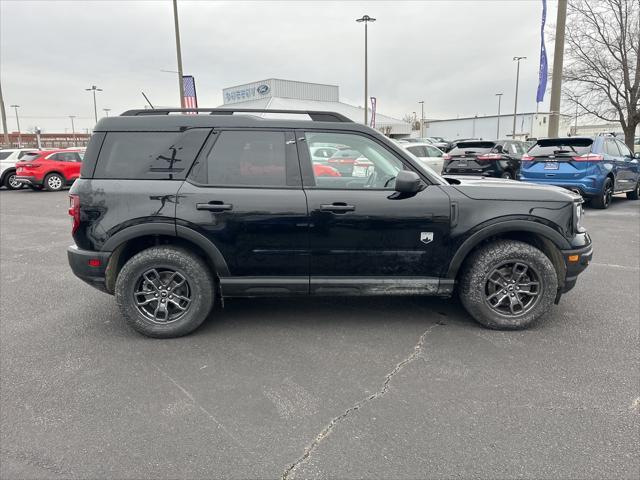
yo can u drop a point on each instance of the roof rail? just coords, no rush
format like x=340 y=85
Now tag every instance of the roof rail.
x=316 y=116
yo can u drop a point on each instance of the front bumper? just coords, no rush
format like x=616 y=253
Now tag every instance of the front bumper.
x=93 y=273
x=576 y=261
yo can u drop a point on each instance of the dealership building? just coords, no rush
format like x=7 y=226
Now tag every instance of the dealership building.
x=277 y=94
x=528 y=125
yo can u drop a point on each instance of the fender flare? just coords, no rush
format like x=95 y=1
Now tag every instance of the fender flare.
x=170 y=230
x=503 y=227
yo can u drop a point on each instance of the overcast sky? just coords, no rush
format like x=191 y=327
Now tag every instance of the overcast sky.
x=454 y=55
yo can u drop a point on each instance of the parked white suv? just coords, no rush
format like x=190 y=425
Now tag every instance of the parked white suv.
x=8 y=159
x=427 y=153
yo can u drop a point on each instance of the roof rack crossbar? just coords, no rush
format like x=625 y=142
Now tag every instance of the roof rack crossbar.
x=316 y=116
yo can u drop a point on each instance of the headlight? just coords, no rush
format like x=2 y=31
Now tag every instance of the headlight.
x=577 y=217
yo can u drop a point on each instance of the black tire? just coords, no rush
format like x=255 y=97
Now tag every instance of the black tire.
x=603 y=200
x=635 y=194
x=54 y=182
x=10 y=181
x=478 y=285
x=508 y=175
x=131 y=285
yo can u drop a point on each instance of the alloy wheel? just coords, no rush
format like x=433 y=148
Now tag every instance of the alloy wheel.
x=54 y=182
x=13 y=183
x=608 y=193
x=512 y=288
x=162 y=295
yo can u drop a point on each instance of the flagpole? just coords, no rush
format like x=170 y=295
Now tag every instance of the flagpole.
x=178 y=52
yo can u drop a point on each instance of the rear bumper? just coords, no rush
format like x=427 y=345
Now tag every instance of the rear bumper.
x=576 y=261
x=93 y=275
x=29 y=180
x=586 y=187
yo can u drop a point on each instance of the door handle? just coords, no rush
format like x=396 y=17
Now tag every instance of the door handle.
x=214 y=206
x=337 y=208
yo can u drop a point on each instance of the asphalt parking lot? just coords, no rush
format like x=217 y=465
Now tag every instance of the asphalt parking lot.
x=322 y=388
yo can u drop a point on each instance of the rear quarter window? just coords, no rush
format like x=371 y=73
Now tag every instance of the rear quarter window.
x=149 y=155
x=4 y=155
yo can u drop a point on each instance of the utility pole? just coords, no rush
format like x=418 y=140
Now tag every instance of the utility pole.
x=178 y=52
x=15 y=107
x=421 y=102
x=499 y=95
x=515 y=104
x=4 y=119
x=73 y=131
x=95 y=109
x=556 y=79
x=366 y=19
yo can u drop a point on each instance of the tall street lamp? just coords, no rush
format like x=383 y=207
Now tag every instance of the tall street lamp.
x=15 y=107
x=366 y=19
x=499 y=95
x=178 y=52
x=106 y=111
x=73 y=131
x=421 y=102
x=515 y=104
x=95 y=109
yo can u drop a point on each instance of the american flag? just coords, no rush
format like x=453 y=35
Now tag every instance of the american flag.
x=190 y=98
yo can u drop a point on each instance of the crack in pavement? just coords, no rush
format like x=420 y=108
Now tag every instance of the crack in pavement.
x=326 y=431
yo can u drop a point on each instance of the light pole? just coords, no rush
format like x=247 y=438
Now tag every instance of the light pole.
x=366 y=19
x=556 y=78
x=515 y=103
x=4 y=119
x=421 y=102
x=73 y=131
x=178 y=52
x=499 y=95
x=95 y=109
x=15 y=107
x=106 y=111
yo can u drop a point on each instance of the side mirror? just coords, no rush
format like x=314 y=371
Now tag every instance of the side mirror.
x=637 y=155
x=407 y=182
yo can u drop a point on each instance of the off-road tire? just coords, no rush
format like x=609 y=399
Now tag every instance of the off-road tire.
x=197 y=274
x=479 y=266
x=53 y=182
x=603 y=200
x=635 y=194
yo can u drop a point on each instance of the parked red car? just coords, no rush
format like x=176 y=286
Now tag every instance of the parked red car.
x=49 y=169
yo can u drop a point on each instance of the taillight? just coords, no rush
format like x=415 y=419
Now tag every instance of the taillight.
x=74 y=212
x=589 y=157
x=489 y=156
x=527 y=158
x=30 y=165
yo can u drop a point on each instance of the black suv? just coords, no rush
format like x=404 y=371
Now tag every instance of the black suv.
x=499 y=158
x=173 y=212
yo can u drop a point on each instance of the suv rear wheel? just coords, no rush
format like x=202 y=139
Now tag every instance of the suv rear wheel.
x=508 y=285
x=165 y=292
x=604 y=199
x=53 y=182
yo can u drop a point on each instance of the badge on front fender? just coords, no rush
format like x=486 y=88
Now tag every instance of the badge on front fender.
x=426 y=237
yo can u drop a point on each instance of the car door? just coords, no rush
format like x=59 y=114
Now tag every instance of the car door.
x=629 y=174
x=435 y=158
x=365 y=237
x=244 y=194
x=614 y=158
x=73 y=163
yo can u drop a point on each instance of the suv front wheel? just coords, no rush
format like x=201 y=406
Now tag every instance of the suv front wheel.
x=165 y=292
x=508 y=285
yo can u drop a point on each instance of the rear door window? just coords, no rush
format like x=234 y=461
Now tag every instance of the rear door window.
x=248 y=158
x=560 y=147
x=418 y=151
x=149 y=155
x=611 y=148
x=433 y=152
x=624 y=150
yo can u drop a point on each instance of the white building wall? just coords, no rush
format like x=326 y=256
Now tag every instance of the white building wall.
x=274 y=87
x=527 y=125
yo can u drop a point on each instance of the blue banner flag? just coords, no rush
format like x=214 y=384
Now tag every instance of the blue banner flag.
x=542 y=80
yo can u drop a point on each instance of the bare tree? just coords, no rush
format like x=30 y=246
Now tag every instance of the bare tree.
x=409 y=118
x=602 y=65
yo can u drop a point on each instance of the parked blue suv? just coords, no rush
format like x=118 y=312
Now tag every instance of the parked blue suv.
x=594 y=167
